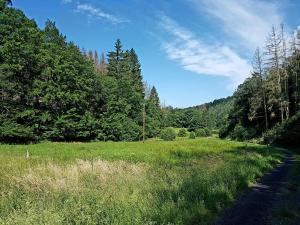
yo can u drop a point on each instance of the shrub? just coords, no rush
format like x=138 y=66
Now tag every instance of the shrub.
x=192 y=135
x=200 y=132
x=203 y=132
x=182 y=132
x=12 y=132
x=241 y=133
x=285 y=134
x=207 y=132
x=168 y=134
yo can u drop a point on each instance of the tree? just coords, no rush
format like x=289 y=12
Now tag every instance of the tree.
x=284 y=55
x=270 y=90
x=258 y=74
x=125 y=100
x=65 y=90
x=153 y=114
x=4 y=4
x=273 y=51
x=135 y=68
x=20 y=42
x=114 y=60
x=50 y=89
x=102 y=65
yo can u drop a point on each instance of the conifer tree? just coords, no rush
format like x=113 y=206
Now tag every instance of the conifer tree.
x=273 y=48
x=96 y=60
x=153 y=114
x=115 y=59
x=260 y=95
x=102 y=65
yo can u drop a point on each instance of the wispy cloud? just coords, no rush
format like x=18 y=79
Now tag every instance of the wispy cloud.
x=67 y=1
x=196 y=55
x=96 y=13
x=248 y=20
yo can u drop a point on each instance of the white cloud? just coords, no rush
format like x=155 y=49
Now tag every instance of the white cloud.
x=97 y=13
x=67 y=1
x=248 y=20
x=197 y=56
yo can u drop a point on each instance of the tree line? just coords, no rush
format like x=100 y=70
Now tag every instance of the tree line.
x=270 y=96
x=212 y=115
x=50 y=89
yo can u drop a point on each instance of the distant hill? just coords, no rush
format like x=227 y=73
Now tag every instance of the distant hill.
x=213 y=115
x=214 y=103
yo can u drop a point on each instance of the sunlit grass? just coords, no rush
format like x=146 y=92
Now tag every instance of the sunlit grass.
x=156 y=182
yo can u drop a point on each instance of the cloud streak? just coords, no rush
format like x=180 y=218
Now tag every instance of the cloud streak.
x=96 y=13
x=197 y=56
x=248 y=20
x=67 y=1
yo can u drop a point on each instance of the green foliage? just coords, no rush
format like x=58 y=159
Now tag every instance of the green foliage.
x=182 y=132
x=241 y=133
x=270 y=96
x=12 y=132
x=285 y=134
x=192 y=135
x=211 y=115
x=51 y=90
x=168 y=134
x=153 y=114
x=203 y=132
x=208 y=132
x=200 y=132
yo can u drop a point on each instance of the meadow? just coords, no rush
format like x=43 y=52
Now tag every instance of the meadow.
x=156 y=182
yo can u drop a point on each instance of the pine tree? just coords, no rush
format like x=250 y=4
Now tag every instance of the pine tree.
x=136 y=74
x=102 y=65
x=273 y=45
x=258 y=74
x=284 y=56
x=153 y=114
x=90 y=56
x=96 y=60
x=20 y=42
x=4 y=4
x=115 y=59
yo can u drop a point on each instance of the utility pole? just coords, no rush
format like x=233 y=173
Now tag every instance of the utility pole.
x=144 y=121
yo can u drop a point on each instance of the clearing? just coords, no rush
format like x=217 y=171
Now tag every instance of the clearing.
x=156 y=182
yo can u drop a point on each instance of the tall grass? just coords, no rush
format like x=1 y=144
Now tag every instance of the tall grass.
x=156 y=182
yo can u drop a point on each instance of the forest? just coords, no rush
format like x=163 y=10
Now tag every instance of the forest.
x=267 y=103
x=52 y=90
x=84 y=138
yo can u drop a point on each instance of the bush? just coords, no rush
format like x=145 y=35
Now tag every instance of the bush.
x=182 y=132
x=203 y=132
x=192 y=135
x=207 y=132
x=12 y=132
x=168 y=134
x=200 y=132
x=284 y=134
x=241 y=133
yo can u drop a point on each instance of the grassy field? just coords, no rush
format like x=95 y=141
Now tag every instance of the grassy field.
x=156 y=182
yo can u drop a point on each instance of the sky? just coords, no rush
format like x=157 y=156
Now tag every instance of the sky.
x=192 y=51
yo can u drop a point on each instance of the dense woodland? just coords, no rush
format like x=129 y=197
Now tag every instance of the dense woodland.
x=267 y=103
x=53 y=90
x=211 y=115
x=50 y=89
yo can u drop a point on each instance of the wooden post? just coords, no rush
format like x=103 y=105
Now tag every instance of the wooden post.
x=144 y=121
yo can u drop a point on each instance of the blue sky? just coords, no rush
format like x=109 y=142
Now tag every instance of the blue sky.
x=193 y=51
